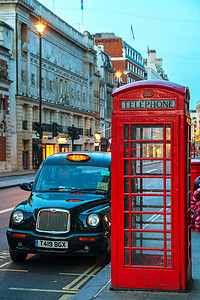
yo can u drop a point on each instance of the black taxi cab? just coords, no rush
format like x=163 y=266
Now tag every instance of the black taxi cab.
x=68 y=211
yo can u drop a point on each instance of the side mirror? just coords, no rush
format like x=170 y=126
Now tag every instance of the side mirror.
x=26 y=186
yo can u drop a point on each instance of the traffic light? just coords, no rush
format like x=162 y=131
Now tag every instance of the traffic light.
x=39 y=131
x=70 y=131
x=77 y=132
x=37 y=128
x=55 y=129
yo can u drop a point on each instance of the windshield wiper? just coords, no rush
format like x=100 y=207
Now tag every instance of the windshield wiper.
x=61 y=188
x=90 y=190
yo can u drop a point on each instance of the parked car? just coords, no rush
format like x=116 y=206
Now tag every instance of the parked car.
x=68 y=211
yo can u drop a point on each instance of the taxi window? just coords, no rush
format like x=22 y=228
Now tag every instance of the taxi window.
x=73 y=177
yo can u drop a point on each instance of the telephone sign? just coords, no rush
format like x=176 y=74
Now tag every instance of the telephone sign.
x=137 y=104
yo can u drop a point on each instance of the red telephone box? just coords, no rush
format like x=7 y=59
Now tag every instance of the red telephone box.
x=151 y=236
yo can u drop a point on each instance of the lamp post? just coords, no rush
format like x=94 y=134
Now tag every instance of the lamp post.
x=40 y=28
x=118 y=74
x=194 y=136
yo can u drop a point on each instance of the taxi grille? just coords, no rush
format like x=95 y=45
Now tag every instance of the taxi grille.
x=55 y=221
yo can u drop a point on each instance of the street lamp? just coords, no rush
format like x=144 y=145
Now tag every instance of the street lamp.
x=194 y=135
x=40 y=28
x=118 y=74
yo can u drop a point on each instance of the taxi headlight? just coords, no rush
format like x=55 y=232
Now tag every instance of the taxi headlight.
x=93 y=220
x=17 y=216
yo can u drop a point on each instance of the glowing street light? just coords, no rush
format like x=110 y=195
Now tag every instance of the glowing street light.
x=118 y=74
x=40 y=28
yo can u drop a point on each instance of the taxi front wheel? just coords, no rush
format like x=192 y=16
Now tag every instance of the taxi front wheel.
x=18 y=257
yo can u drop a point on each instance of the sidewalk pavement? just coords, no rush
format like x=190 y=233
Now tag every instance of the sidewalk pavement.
x=11 y=179
x=99 y=287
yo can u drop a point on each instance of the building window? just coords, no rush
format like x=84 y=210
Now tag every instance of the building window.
x=45 y=116
x=61 y=86
x=66 y=86
x=79 y=119
x=102 y=92
x=91 y=70
x=33 y=79
x=51 y=117
x=23 y=75
x=51 y=86
x=23 y=33
x=61 y=120
x=78 y=147
x=66 y=120
x=127 y=65
x=42 y=83
x=1 y=104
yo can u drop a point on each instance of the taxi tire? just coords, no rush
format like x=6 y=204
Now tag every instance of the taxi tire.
x=18 y=257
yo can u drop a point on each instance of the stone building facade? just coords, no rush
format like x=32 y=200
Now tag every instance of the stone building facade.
x=70 y=92
x=7 y=124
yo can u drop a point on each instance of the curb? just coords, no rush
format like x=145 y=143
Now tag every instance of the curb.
x=12 y=185
x=16 y=174
x=8 y=183
x=9 y=186
x=95 y=285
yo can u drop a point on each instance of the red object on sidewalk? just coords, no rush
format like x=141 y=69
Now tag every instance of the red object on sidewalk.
x=195 y=171
x=195 y=211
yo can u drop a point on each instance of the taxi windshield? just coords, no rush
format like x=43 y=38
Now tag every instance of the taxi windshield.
x=92 y=179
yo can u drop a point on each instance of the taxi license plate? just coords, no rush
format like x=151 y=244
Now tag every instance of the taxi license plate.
x=51 y=244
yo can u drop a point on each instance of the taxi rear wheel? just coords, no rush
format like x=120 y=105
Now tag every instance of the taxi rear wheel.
x=18 y=257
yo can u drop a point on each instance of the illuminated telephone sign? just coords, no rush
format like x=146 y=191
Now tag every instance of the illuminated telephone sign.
x=147 y=104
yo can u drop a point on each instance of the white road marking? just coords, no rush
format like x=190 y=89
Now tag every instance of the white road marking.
x=154 y=217
x=6 y=210
x=42 y=290
x=151 y=170
x=13 y=270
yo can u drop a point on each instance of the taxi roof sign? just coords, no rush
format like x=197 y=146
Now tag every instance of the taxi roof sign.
x=78 y=157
